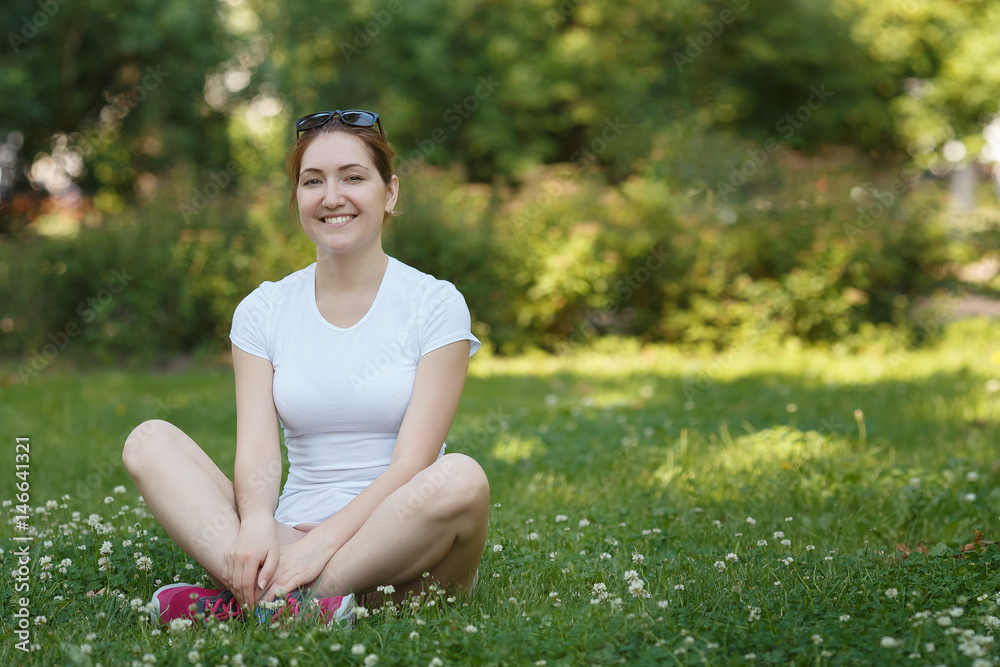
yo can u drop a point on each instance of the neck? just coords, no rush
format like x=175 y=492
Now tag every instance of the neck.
x=353 y=272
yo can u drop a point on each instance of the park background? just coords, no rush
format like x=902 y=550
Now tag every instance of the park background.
x=731 y=261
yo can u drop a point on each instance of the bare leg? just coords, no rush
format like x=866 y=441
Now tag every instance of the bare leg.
x=186 y=492
x=435 y=523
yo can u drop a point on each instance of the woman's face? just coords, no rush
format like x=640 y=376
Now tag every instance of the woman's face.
x=342 y=199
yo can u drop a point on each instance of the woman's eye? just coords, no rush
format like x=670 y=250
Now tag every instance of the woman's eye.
x=310 y=181
x=354 y=177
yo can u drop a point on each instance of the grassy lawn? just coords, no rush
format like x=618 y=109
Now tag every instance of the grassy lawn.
x=651 y=506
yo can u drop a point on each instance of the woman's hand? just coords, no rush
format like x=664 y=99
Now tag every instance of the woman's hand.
x=301 y=563
x=251 y=560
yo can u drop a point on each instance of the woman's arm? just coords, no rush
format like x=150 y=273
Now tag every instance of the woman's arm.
x=253 y=557
x=437 y=390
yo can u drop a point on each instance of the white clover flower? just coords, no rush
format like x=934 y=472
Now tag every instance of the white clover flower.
x=754 y=613
x=761 y=543
x=358 y=649
x=180 y=624
x=561 y=517
x=361 y=612
x=991 y=622
x=637 y=557
x=788 y=561
x=497 y=548
x=732 y=557
x=144 y=563
x=956 y=612
x=663 y=604
x=972 y=475
x=370 y=659
x=944 y=621
x=86 y=649
x=889 y=642
x=637 y=587
x=717 y=523
x=778 y=534
x=720 y=565
x=969 y=497
x=678 y=587
x=751 y=520
x=844 y=618
x=471 y=629
x=810 y=547
x=786 y=543
x=41 y=620
x=414 y=635
x=817 y=639
x=891 y=593
x=584 y=523
x=436 y=662
x=532 y=536
x=108 y=500
x=106 y=548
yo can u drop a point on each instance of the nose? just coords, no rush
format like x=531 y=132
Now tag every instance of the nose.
x=332 y=195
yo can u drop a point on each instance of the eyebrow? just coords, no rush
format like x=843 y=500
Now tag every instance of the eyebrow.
x=344 y=168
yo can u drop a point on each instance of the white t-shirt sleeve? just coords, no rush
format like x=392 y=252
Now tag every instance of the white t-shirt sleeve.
x=447 y=320
x=249 y=325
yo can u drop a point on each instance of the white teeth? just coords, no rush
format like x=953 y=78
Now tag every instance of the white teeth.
x=339 y=219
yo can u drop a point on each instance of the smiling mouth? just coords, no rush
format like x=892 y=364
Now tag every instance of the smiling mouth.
x=337 y=219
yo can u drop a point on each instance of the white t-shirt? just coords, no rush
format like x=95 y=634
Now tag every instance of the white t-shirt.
x=341 y=393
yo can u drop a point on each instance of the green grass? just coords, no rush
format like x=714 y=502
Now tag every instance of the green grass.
x=601 y=462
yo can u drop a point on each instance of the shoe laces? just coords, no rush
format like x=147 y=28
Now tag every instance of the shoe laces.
x=222 y=606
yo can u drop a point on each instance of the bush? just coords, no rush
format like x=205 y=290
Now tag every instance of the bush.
x=818 y=248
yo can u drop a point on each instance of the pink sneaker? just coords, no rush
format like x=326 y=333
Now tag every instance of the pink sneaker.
x=187 y=601
x=300 y=604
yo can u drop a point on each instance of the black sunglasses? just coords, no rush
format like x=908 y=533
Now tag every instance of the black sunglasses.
x=356 y=117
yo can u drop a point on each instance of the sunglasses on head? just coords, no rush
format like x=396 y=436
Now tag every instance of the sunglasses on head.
x=356 y=117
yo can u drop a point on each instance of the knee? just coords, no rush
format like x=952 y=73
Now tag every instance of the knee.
x=463 y=484
x=139 y=442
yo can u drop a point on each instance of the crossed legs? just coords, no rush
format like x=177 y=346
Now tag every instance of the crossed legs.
x=435 y=523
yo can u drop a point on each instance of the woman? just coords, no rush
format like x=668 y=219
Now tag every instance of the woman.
x=363 y=360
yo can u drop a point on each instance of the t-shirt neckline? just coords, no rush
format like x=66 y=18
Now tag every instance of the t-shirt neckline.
x=371 y=309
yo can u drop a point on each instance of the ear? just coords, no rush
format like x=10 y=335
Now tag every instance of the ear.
x=392 y=192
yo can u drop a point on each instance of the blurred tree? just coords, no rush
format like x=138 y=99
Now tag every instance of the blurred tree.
x=120 y=84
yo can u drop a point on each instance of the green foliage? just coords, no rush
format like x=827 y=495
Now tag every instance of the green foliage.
x=599 y=465
x=125 y=84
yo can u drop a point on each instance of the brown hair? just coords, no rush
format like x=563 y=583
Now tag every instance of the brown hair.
x=379 y=150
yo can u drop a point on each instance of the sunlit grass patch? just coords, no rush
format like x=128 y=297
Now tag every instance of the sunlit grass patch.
x=646 y=511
